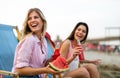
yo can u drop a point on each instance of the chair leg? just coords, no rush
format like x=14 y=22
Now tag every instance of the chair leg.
x=54 y=76
x=16 y=77
x=59 y=75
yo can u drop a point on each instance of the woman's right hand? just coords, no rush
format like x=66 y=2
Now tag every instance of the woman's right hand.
x=76 y=51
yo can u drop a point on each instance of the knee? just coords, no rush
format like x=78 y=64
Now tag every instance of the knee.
x=84 y=72
x=93 y=70
x=92 y=66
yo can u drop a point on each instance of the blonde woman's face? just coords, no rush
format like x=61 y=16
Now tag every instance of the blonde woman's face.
x=35 y=23
x=80 y=32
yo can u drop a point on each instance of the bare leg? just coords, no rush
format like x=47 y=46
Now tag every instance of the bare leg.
x=93 y=71
x=78 y=73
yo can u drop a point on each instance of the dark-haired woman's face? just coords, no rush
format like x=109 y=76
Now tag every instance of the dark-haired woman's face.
x=80 y=32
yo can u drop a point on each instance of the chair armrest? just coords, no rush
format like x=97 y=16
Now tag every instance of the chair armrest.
x=3 y=72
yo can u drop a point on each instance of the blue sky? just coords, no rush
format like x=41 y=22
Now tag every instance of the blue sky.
x=62 y=15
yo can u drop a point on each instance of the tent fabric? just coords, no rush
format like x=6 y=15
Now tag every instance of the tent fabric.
x=8 y=42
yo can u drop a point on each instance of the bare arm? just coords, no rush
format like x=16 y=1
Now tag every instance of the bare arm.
x=64 y=50
x=28 y=71
x=97 y=61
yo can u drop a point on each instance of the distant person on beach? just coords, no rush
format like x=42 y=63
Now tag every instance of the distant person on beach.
x=70 y=50
x=31 y=53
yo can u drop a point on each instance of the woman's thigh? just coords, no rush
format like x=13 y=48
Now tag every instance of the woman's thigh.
x=93 y=71
x=78 y=73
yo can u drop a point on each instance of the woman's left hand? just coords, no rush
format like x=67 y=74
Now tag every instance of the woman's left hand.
x=97 y=61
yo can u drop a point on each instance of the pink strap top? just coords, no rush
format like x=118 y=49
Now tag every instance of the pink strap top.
x=71 y=51
x=74 y=64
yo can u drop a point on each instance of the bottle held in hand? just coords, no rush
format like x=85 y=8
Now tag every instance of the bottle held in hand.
x=81 y=55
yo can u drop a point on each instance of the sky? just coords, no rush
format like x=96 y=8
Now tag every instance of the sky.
x=63 y=15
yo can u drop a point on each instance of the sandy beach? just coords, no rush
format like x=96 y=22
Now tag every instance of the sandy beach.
x=110 y=63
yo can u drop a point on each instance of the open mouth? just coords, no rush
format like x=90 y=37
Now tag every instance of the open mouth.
x=79 y=36
x=34 y=25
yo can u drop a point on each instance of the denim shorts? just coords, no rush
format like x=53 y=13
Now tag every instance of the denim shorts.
x=36 y=76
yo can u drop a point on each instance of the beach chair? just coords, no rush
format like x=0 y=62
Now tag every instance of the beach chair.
x=8 y=42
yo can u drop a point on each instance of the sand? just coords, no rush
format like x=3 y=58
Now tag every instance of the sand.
x=110 y=64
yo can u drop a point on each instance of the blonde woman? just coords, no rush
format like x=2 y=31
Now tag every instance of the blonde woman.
x=31 y=52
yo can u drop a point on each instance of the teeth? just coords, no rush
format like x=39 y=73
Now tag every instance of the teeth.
x=78 y=35
x=34 y=24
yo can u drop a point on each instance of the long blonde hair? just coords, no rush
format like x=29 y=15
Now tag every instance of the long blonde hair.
x=26 y=30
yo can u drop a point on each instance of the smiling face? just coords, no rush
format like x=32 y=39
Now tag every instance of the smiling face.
x=35 y=22
x=80 y=32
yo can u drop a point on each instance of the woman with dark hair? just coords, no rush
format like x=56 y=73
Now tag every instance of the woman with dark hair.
x=70 y=50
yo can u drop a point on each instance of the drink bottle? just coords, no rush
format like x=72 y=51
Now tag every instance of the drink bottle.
x=81 y=55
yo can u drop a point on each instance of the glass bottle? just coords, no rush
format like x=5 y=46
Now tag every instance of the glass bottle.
x=81 y=55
